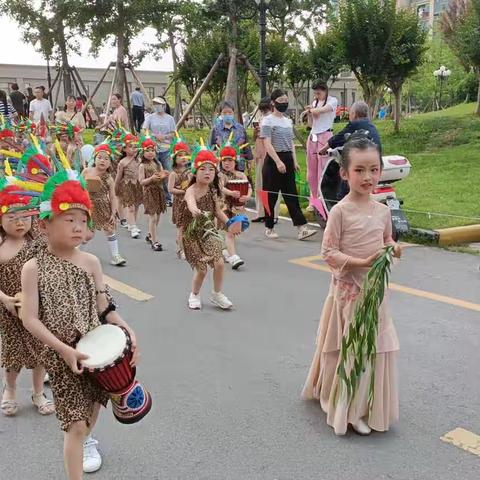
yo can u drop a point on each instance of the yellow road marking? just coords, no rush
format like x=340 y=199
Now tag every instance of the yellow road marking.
x=127 y=290
x=463 y=439
x=309 y=262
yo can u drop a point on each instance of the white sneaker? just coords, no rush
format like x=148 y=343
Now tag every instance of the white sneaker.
x=134 y=232
x=235 y=261
x=46 y=379
x=92 y=461
x=270 y=233
x=305 y=232
x=117 y=261
x=194 y=302
x=220 y=300
x=361 y=427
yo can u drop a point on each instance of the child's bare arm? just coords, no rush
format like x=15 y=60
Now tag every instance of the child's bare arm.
x=192 y=202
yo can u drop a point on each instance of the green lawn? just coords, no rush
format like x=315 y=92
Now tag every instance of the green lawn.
x=444 y=150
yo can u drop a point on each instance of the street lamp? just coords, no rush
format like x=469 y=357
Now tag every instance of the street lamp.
x=441 y=75
x=263 y=5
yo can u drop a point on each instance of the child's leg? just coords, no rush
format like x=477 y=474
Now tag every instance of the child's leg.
x=131 y=218
x=135 y=213
x=112 y=241
x=38 y=377
x=197 y=281
x=152 y=227
x=10 y=384
x=218 y=269
x=94 y=417
x=230 y=243
x=179 y=239
x=73 y=450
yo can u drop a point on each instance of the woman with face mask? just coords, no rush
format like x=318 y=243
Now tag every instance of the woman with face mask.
x=224 y=126
x=280 y=166
x=161 y=126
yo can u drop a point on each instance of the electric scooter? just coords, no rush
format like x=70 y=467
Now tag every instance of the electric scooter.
x=333 y=189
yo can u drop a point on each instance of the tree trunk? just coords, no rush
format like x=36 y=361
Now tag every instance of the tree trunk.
x=178 y=91
x=62 y=45
x=231 y=91
x=398 y=107
x=120 y=64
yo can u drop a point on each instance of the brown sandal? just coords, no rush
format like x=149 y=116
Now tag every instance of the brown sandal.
x=43 y=404
x=9 y=408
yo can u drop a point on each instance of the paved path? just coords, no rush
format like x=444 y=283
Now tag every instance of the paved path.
x=226 y=384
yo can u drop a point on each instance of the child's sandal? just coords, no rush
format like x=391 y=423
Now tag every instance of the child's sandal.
x=9 y=408
x=43 y=404
x=157 y=247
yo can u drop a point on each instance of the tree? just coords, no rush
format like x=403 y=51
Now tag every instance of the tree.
x=404 y=56
x=365 y=30
x=48 y=26
x=325 y=56
x=460 y=25
x=121 y=22
x=298 y=71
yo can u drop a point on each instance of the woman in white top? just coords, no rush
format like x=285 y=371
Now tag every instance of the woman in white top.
x=70 y=114
x=321 y=115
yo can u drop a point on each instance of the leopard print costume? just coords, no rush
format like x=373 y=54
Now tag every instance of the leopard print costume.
x=153 y=195
x=19 y=347
x=201 y=252
x=102 y=208
x=130 y=191
x=181 y=182
x=68 y=308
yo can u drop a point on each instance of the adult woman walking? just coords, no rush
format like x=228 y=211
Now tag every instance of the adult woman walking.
x=119 y=114
x=72 y=115
x=321 y=115
x=280 y=166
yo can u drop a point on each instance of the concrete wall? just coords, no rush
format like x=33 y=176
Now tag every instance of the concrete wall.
x=155 y=82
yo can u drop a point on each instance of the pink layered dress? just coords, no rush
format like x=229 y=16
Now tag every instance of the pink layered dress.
x=352 y=232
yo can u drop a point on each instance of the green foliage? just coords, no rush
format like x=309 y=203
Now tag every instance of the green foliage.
x=359 y=347
x=325 y=55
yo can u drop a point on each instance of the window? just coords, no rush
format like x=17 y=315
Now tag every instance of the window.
x=150 y=91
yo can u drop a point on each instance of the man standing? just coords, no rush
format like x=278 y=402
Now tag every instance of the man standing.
x=18 y=100
x=40 y=107
x=138 y=109
x=162 y=126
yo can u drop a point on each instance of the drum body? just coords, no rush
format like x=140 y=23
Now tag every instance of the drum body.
x=238 y=186
x=109 y=350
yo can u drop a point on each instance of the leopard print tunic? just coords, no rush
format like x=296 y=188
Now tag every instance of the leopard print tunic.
x=153 y=195
x=102 y=208
x=130 y=191
x=181 y=182
x=19 y=348
x=201 y=252
x=68 y=308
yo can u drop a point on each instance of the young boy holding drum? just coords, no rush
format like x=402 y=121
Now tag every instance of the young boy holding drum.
x=64 y=298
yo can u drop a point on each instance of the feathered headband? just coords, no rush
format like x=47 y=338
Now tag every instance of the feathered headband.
x=178 y=145
x=202 y=155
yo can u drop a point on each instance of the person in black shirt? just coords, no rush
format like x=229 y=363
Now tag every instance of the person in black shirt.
x=359 y=120
x=18 y=100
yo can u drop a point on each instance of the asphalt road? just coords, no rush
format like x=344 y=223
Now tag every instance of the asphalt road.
x=226 y=385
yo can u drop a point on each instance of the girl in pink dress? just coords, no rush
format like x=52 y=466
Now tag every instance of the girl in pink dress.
x=357 y=231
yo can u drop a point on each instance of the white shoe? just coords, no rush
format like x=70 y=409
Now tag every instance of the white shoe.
x=134 y=232
x=235 y=261
x=194 y=302
x=46 y=379
x=310 y=208
x=305 y=232
x=270 y=233
x=361 y=427
x=118 y=261
x=220 y=300
x=92 y=461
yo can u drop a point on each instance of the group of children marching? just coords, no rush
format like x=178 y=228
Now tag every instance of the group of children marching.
x=50 y=205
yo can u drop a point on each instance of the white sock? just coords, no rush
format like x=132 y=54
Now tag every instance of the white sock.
x=113 y=244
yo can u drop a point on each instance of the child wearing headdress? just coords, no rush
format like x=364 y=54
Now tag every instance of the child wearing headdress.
x=64 y=298
x=102 y=193
x=151 y=176
x=178 y=182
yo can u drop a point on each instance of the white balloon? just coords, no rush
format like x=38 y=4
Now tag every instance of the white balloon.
x=87 y=153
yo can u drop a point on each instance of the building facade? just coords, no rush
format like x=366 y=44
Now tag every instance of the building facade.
x=428 y=10
x=155 y=82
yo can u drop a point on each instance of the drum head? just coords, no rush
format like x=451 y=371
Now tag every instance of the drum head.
x=103 y=345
